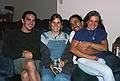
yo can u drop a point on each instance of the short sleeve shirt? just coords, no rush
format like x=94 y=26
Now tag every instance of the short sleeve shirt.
x=95 y=36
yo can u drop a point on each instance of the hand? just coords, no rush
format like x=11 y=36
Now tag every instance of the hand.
x=55 y=70
x=92 y=57
x=62 y=63
x=27 y=54
x=102 y=61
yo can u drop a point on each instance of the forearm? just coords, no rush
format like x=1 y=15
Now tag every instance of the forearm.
x=79 y=51
x=81 y=54
x=99 y=47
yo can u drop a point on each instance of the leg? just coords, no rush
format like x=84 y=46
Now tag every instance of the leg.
x=29 y=66
x=6 y=67
x=47 y=75
x=62 y=77
x=2 y=78
x=92 y=67
x=24 y=76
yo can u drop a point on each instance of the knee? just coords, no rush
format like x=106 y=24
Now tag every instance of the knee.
x=108 y=71
x=24 y=75
x=62 y=77
x=29 y=63
x=46 y=78
x=47 y=75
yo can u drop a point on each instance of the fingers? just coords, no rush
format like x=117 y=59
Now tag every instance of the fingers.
x=27 y=54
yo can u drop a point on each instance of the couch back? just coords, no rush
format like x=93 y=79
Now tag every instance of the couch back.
x=41 y=26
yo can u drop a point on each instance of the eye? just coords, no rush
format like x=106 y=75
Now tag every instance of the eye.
x=92 y=21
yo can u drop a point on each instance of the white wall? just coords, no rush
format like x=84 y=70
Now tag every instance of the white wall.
x=109 y=10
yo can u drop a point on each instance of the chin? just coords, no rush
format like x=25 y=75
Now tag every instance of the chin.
x=30 y=28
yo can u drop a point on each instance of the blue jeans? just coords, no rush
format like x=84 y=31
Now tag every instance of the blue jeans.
x=2 y=78
x=96 y=68
x=6 y=67
x=48 y=75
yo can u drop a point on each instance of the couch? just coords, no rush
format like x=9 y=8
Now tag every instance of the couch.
x=43 y=26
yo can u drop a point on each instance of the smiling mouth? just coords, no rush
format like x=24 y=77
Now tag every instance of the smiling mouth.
x=75 y=27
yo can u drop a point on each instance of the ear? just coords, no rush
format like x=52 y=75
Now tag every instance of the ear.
x=49 y=25
x=22 y=20
x=82 y=23
x=49 y=22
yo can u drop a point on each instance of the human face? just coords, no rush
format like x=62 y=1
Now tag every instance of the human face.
x=28 y=23
x=56 y=25
x=75 y=24
x=93 y=22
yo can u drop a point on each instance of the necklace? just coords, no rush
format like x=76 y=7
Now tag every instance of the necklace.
x=93 y=38
x=92 y=34
x=55 y=36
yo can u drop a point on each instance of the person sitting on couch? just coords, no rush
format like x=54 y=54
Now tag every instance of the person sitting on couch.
x=89 y=42
x=57 y=42
x=24 y=47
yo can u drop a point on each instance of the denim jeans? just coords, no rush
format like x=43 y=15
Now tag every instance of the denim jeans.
x=96 y=68
x=2 y=78
x=48 y=75
x=56 y=48
x=6 y=67
x=111 y=60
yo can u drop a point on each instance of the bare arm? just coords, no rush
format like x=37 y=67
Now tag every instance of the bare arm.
x=91 y=47
x=77 y=52
x=103 y=46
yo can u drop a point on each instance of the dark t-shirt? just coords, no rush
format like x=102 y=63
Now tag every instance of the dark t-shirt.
x=17 y=41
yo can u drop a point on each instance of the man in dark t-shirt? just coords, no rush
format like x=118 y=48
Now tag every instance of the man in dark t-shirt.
x=26 y=50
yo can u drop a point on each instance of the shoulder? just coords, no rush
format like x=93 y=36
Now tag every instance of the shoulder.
x=46 y=34
x=72 y=33
x=81 y=31
x=101 y=31
x=65 y=35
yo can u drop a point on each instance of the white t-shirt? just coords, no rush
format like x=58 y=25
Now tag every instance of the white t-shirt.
x=70 y=39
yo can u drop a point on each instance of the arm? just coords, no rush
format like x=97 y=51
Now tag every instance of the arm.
x=45 y=55
x=77 y=52
x=91 y=47
x=103 y=46
x=44 y=38
x=66 y=62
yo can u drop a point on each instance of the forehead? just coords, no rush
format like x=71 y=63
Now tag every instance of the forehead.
x=30 y=16
x=94 y=18
x=74 y=19
x=56 y=20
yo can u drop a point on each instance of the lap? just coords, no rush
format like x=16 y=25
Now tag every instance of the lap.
x=18 y=65
x=47 y=73
x=6 y=67
x=111 y=60
x=92 y=67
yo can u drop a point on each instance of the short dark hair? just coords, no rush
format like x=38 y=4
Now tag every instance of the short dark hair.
x=77 y=16
x=29 y=12
x=54 y=16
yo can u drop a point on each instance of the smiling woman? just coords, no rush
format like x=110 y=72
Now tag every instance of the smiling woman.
x=57 y=41
x=88 y=44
